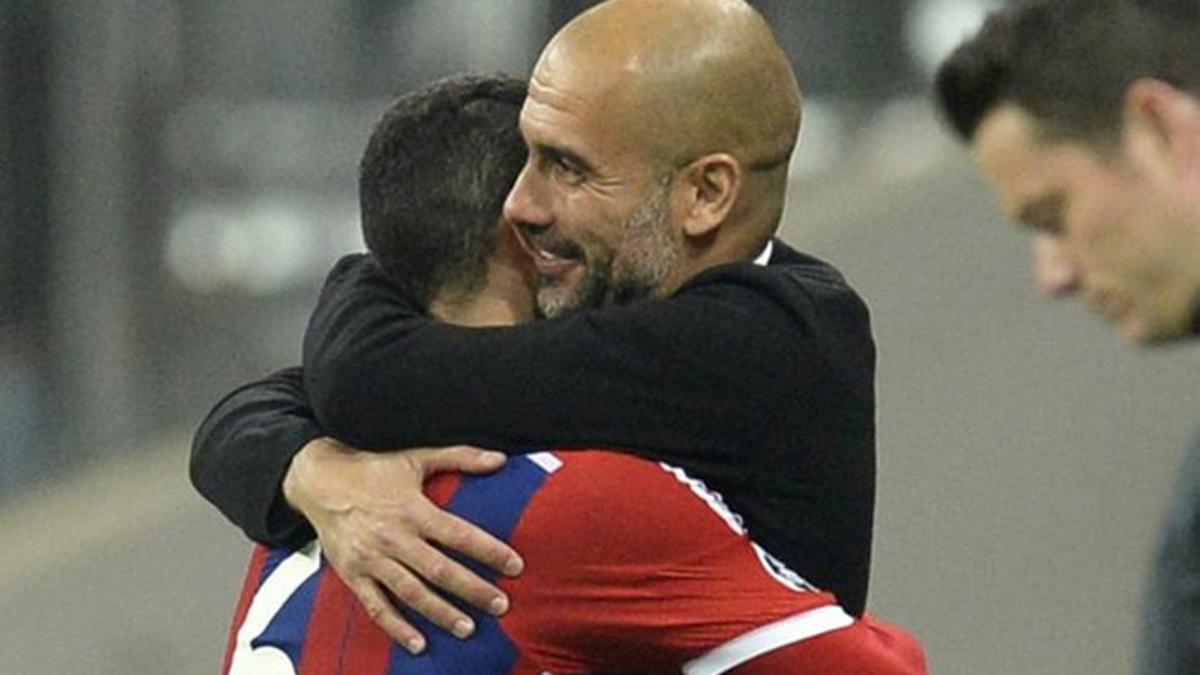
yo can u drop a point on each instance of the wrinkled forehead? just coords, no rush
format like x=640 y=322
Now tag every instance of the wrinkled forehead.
x=585 y=102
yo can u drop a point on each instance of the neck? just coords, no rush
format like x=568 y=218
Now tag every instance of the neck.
x=506 y=297
x=734 y=247
x=480 y=309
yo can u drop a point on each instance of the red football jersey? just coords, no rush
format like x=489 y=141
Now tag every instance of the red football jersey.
x=631 y=566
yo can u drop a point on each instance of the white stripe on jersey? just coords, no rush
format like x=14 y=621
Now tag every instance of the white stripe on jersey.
x=773 y=566
x=274 y=592
x=547 y=461
x=714 y=499
x=779 y=571
x=795 y=628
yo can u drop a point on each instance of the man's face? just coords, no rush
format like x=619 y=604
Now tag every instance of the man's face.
x=1104 y=226
x=589 y=206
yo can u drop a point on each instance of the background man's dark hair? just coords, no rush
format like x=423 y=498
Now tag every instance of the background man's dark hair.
x=433 y=180
x=1068 y=63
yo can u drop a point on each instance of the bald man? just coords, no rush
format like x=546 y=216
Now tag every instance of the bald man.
x=659 y=135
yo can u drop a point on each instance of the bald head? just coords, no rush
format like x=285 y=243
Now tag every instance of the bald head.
x=659 y=133
x=683 y=78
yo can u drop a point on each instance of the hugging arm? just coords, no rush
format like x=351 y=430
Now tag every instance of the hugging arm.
x=740 y=366
x=690 y=378
x=242 y=450
x=254 y=447
x=758 y=379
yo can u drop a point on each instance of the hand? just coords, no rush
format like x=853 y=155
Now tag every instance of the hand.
x=377 y=528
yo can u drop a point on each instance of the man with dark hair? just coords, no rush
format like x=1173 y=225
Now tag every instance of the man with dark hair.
x=632 y=565
x=659 y=137
x=449 y=165
x=1084 y=115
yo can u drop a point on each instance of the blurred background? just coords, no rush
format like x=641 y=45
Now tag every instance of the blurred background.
x=178 y=176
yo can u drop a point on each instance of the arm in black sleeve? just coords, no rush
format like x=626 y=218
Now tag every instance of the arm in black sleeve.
x=243 y=449
x=760 y=380
x=699 y=375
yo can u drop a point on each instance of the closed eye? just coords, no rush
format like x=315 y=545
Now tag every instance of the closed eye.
x=566 y=171
x=1044 y=214
x=563 y=165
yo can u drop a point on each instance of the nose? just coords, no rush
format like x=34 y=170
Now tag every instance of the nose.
x=1054 y=272
x=527 y=202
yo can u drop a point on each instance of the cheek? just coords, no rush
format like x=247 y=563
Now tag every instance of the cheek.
x=591 y=222
x=1122 y=239
x=1101 y=221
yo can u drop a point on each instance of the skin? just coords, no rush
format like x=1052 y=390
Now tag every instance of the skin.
x=1116 y=223
x=659 y=136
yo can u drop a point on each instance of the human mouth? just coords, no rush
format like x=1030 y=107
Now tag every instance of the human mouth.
x=552 y=255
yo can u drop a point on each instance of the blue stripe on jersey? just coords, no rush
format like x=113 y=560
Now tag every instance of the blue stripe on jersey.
x=494 y=502
x=274 y=557
x=289 y=627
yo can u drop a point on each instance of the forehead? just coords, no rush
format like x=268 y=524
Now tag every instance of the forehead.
x=571 y=106
x=553 y=107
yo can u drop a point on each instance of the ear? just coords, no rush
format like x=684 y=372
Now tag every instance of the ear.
x=710 y=185
x=1163 y=120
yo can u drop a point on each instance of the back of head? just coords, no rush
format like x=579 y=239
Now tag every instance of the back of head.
x=433 y=179
x=1068 y=63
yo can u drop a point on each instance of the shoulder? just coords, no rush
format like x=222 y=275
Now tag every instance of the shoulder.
x=357 y=288
x=795 y=286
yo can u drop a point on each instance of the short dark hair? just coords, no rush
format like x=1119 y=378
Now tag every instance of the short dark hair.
x=433 y=180
x=1069 y=63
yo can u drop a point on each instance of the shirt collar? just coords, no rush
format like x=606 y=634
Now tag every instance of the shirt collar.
x=764 y=256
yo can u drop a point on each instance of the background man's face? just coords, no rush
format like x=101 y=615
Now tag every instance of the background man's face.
x=589 y=207
x=1103 y=226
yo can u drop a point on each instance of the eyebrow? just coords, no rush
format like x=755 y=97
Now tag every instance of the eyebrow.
x=1037 y=213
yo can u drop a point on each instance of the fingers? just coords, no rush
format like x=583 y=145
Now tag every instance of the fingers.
x=409 y=587
x=412 y=592
x=439 y=570
x=379 y=532
x=390 y=563
x=381 y=610
x=391 y=585
x=472 y=541
x=462 y=458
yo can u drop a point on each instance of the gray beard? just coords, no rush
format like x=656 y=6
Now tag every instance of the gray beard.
x=590 y=294
x=651 y=255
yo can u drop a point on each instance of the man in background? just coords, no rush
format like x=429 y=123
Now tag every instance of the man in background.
x=1084 y=115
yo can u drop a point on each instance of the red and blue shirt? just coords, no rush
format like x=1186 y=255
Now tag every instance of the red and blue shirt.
x=630 y=566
